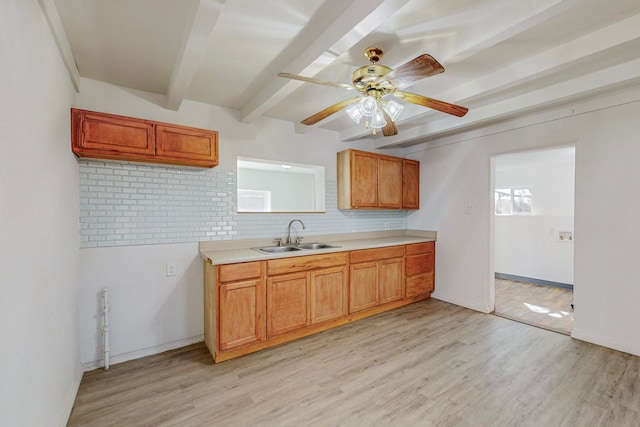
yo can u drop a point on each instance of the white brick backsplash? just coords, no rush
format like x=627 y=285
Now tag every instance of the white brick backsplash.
x=135 y=204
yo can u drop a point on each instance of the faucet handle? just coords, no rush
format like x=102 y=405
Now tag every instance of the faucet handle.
x=298 y=239
x=277 y=241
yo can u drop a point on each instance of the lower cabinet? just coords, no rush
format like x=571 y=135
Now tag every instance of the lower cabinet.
x=329 y=294
x=253 y=305
x=376 y=277
x=287 y=303
x=419 y=269
x=241 y=310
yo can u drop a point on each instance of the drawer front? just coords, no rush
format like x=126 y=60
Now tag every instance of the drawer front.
x=419 y=264
x=419 y=248
x=419 y=285
x=367 y=255
x=304 y=263
x=239 y=271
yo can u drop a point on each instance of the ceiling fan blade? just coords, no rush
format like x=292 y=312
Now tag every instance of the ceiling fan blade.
x=417 y=69
x=329 y=111
x=390 y=128
x=435 y=104
x=316 y=81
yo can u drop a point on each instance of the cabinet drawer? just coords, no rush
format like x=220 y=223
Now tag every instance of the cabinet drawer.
x=366 y=255
x=304 y=263
x=419 y=248
x=419 y=264
x=418 y=285
x=239 y=271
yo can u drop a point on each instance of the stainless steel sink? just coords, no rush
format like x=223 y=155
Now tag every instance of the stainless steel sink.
x=315 y=246
x=281 y=249
x=276 y=249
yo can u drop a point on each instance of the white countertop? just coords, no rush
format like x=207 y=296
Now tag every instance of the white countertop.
x=228 y=252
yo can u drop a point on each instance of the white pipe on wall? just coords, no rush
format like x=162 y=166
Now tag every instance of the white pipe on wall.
x=105 y=326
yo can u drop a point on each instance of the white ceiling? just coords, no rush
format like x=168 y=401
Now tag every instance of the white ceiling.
x=502 y=57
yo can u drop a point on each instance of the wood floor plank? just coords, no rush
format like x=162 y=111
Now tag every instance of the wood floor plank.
x=429 y=364
x=542 y=306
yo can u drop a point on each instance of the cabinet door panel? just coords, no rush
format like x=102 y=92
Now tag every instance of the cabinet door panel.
x=241 y=316
x=389 y=182
x=390 y=280
x=363 y=292
x=112 y=134
x=287 y=303
x=410 y=184
x=182 y=143
x=364 y=176
x=328 y=294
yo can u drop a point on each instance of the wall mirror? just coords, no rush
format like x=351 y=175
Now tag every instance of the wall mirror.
x=275 y=186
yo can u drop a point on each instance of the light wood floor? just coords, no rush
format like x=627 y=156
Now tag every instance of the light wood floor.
x=543 y=306
x=426 y=364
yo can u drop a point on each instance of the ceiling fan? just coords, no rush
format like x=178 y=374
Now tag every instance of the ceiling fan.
x=377 y=81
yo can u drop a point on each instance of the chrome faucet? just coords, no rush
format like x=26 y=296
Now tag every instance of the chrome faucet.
x=288 y=241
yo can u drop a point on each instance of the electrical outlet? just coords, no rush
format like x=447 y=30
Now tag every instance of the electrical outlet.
x=171 y=269
x=468 y=209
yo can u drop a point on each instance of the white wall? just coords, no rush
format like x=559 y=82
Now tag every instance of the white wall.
x=152 y=312
x=39 y=237
x=529 y=245
x=455 y=171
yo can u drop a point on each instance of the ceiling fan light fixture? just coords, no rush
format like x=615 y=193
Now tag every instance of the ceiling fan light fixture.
x=355 y=112
x=368 y=105
x=393 y=108
x=377 y=120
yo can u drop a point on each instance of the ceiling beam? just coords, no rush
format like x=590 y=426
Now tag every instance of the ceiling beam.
x=333 y=30
x=618 y=76
x=517 y=18
x=510 y=22
x=60 y=36
x=202 y=20
x=615 y=39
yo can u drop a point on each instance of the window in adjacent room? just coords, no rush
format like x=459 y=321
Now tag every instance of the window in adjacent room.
x=513 y=201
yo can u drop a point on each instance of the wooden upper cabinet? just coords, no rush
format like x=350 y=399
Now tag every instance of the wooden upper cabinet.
x=375 y=181
x=410 y=184
x=186 y=144
x=108 y=136
x=364 y=180
x=389 y=181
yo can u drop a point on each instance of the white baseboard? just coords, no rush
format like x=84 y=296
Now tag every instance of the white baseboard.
x=119 y=358
x=472 y=304
x=605 y=341
x=70 y=399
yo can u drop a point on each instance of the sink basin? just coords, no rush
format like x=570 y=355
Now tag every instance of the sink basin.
x=315 y=246
x=276 y=249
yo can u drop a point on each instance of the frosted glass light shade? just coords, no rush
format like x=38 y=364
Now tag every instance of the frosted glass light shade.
x=368 y=105
x=355 y=112
x=378 y=121
x=393 y=108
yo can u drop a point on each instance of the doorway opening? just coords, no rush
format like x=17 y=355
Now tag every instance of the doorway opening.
x=533 y=237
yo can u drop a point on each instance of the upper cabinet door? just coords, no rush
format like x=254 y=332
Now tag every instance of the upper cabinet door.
x=410 y=184
x=389 y=182
x=182 y=143
x=97 y=133
x=364 y=180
